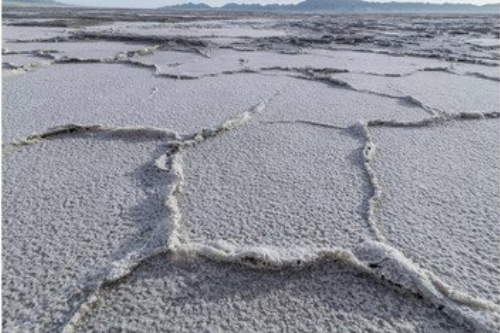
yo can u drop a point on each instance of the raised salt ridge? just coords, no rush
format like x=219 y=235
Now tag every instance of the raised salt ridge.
x=320 y=298
x=427 y=87
x=79 y=50
x=440 y=205
x=124 y=96
x=75 y=204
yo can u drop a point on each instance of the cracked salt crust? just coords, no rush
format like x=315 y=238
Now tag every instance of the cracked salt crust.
x=190 y=297
x=122 y=95
x=376 y=63
x=305 y=118
x=485 y=42
x=374 y=83
x=20 y=60
x=75 y=204
x=317 y=101
x=446 y=92
x=441 y=201
x=13 y=33
x=80 y=50
x=165 y=60
x=488 y=71
x=249 y=186
x=223 y=60
x=220 y=30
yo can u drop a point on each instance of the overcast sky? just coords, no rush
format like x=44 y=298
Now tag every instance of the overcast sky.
x=216 y=3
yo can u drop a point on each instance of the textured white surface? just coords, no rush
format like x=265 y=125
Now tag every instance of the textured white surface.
x=223 y=60
x=13 y=33
x=488 y=42
x=441 y=206
x=20 y=60
x=192 y=297
x=489 y=71
x=123 y=95
x=164 y=60
x=250 y=187
x=81 y=50
x=222 y=29
x=70 y=207
x=377 y=63
x=268 y=214
x=447 y=92
x=317 y=101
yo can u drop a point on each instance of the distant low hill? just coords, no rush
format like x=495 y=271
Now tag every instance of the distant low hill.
x=348 y=6
x=190 y=6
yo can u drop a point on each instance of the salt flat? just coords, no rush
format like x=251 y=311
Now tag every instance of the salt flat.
x=122 y=95
x=340 y=107
x=164 y=61
x=76 y=205
x=427 y=88
x=221 y=171
x=222 y=28
x=80 y=50
x=15 y=33
x=250 y=187
x=492 y=72
x=435 y=192
x=20 y=60
x=220 y=60
x=328 y=298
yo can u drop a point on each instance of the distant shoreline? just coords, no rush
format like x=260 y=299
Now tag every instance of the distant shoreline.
x=307 y=6
x=346 y=6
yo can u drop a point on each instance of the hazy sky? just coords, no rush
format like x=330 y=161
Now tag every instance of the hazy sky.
x=215 y=3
